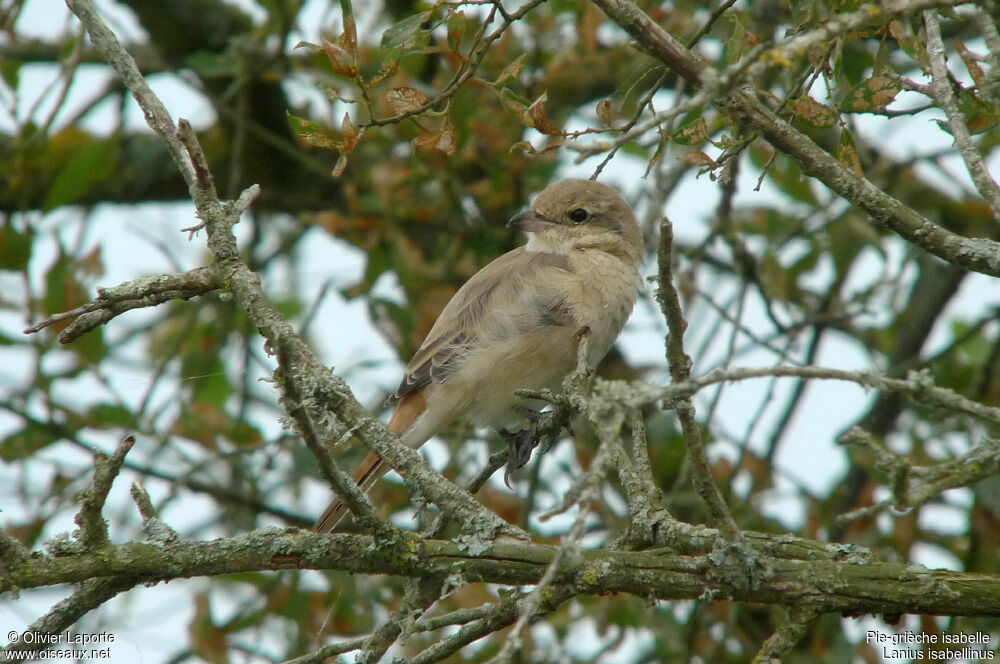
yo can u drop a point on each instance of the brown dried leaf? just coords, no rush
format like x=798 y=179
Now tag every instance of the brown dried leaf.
x=443 y=140
x=448 y=139
x=511 y=70
x=342 y=62
x=349 y=132
x=604 y=112
x=847 y=155
x=969 y=58
x=338 y=170
x=406 y=100
x=537 y=118
x=426 y=140
x=389 y=68
x=813 y=112
x=694 y=133
x=554 y=143
x=349 y=40
x=698 y=158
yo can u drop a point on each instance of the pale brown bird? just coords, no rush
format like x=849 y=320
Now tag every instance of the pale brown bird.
x=516 y=323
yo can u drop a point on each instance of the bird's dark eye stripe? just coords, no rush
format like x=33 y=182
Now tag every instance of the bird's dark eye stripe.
x=578 y=215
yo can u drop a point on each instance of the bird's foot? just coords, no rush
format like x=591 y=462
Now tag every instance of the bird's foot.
x=521 y=443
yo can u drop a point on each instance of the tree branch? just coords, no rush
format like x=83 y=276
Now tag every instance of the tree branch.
x=680 y=372
x=156 y=114
x=842 y=579
x=940 y=89
x=143 y=292
x=976 y=254
x=917 y=384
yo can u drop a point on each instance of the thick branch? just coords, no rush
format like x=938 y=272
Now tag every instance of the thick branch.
x=845 y=582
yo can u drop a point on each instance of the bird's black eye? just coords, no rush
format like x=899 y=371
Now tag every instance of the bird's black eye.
x=578 y=215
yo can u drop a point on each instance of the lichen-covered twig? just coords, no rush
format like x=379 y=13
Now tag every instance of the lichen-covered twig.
x=142 y=292
x=93 y=533
x=941 y=90
x=680 y=372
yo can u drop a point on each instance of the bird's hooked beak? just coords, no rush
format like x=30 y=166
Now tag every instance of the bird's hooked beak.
x=530 y=221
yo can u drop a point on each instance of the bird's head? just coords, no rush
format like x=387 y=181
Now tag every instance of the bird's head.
x=580 y=214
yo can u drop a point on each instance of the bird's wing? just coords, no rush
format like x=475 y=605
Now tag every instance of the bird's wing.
x=480 y=312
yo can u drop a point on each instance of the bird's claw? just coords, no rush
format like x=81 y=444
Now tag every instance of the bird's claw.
x=521 y=443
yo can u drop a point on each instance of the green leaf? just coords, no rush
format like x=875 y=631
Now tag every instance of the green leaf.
x=106 y=415
x=211 y=386
x=91 y=164
x=456 y=28
x=62 y=290
x=208 y=65
x=404 y=33
x=22 y=444
x=313 y=134
x=90 y=348
x=11 y=72
x=15 y=248
x=980 y=117
x=511 y=70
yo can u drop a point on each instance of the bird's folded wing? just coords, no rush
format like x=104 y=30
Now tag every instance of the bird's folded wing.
x=515 y=294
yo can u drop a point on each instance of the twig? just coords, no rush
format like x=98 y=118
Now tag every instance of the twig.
x=988 y=30
x=342 y=484
x=680 y=372
x=977 y=254
x=154 y=528
x=481 y=46
x=153 y=109
x=503 y=613
x=712 y=87
x=791 y=630
x=142 y=292
x=323 y=654
x=93 y=533
x=940 y=88
x=88 y=596
x=421 y=593
x=913 y=485
x=917 y=384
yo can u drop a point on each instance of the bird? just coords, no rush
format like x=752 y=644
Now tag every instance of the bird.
x=517 y=322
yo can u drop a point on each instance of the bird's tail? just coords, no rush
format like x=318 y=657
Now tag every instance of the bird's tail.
x=407 y=411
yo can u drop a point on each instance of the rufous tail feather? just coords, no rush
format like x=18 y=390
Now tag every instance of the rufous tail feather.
x=407 y=411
